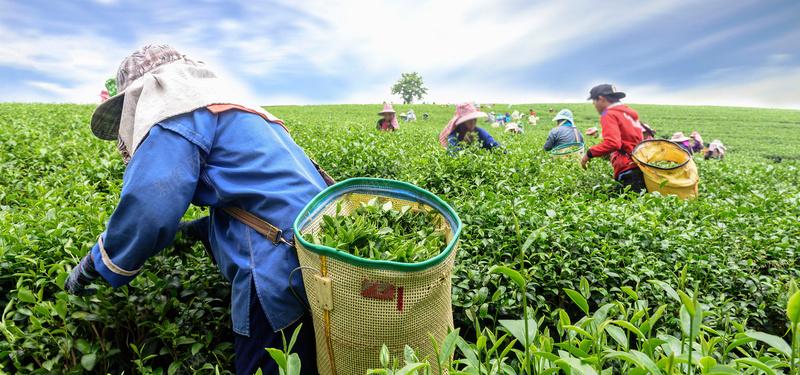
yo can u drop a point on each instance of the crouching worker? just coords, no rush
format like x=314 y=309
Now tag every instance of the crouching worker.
x=564 y=133
x=716 y=150
x=389 y=120
x=621 y=132
x=185 y=140
x=463 y=128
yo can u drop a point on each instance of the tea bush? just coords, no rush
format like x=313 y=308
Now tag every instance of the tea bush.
x=738 y=243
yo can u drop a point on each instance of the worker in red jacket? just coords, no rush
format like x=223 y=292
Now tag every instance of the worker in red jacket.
x=621 y=132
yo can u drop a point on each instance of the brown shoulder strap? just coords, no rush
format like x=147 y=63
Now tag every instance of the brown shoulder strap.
x=577 y=140
x=264 y=228
x=328 y=180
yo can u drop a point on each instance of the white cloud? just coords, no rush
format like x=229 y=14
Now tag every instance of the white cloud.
x=767 y=87
x=778 y=58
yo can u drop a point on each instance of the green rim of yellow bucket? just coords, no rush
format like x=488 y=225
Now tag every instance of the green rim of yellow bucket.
x=566 y=145
x=677 y=146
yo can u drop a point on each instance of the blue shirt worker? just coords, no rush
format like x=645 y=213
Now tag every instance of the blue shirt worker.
x=565 y=132
x=462 y=126
x=185 y=140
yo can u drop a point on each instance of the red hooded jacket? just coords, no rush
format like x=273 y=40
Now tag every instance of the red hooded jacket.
x=621 y=132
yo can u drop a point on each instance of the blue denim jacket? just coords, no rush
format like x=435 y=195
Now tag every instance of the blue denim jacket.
x=233 y=158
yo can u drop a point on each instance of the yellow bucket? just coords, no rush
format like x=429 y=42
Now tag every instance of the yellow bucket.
x=680 y=179
x=568 y=151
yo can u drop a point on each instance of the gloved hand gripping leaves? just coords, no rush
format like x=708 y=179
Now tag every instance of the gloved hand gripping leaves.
x=80 y=277
x=197 y=230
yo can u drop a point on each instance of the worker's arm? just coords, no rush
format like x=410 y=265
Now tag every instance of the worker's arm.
x=487 y=141
x=452 y=144
x=157 y=188
x=612 y=138
x=550 y=142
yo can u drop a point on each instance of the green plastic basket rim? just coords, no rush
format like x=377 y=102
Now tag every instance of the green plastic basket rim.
x=573 y=144
x=391 y=188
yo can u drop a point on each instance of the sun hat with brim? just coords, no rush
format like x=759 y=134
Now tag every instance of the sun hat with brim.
x=564 y=114
x=679 y=137
x=464 y=112
x=470 y=116
x=106 y=117
x=387 y=109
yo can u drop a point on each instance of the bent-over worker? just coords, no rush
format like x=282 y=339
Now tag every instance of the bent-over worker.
x=186 y=140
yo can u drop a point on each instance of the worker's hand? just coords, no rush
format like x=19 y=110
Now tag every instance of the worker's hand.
x=584 y=160
x=80 y=277
x=196 y=230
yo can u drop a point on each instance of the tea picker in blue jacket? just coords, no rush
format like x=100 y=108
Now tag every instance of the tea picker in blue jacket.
x=565 y=132
x=186 y=140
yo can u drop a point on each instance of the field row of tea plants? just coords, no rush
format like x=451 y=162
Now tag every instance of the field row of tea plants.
x=610 y=284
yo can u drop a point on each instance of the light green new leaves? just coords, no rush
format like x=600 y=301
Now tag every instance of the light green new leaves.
x=793 y=308
x=775 y=342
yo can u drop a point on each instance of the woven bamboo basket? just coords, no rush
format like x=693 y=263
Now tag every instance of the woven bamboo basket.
x=358 y=305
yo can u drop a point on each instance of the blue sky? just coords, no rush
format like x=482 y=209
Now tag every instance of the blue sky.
x=739 y=53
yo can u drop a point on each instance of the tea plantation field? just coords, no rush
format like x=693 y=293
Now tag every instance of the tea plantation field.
x=630 y=284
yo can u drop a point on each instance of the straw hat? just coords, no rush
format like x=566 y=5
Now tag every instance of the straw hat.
x=679 y=137
x=592 y=132
x=387 y=108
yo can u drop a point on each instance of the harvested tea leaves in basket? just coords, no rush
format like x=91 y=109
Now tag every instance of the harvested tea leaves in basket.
x=664 y=164
x=377 y=231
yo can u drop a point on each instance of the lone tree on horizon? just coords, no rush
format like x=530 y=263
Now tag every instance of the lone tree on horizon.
x=409 y=86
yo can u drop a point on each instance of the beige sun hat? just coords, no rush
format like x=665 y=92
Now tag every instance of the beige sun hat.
x=679 y=137
x=106 y=117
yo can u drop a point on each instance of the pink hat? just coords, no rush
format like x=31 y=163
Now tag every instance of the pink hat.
x=464 y=112
x=697 y=137
x=387 y=108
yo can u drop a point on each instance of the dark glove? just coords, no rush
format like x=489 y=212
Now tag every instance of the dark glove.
x=197 y=230
x=80 y=277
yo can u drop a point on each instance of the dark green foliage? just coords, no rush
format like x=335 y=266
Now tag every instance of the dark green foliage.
x=739 y=242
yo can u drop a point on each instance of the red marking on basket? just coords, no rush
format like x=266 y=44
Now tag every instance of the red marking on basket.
x=400 y=298
x=377 y=289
